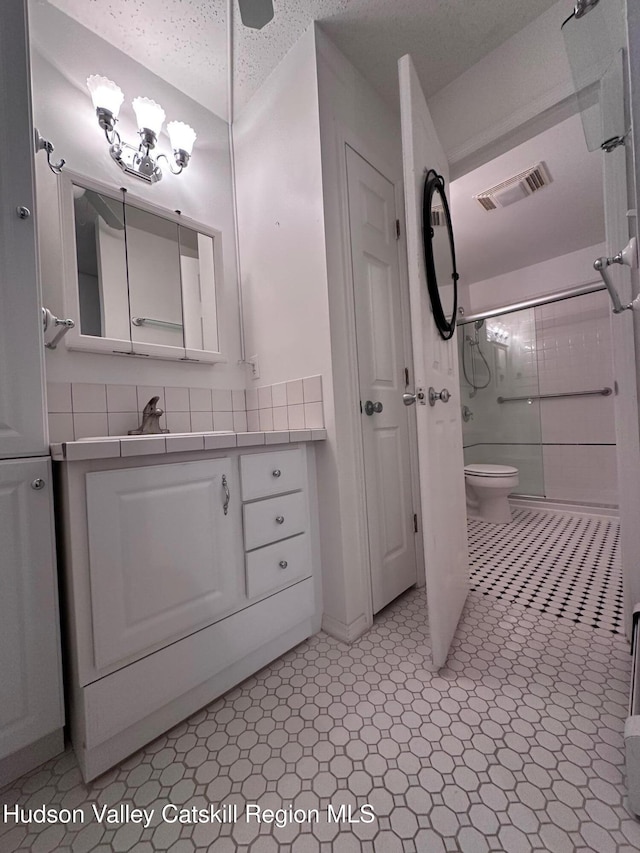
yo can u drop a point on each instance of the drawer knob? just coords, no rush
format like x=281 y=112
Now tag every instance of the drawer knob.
x=283 y=564
x=38 y=484
x=276 y=472
x=280 y=519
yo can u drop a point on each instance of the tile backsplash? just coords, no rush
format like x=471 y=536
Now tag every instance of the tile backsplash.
x=86 y=409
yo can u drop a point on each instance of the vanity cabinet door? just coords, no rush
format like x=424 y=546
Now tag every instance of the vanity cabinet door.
x=164 y=558
x=30 y=672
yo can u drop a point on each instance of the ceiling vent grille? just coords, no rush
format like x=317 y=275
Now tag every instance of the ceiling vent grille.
x=515 y=189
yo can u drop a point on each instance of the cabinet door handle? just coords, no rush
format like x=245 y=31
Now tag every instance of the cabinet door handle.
x=227 y=494
x=280 y=519
x=276 y=472
x=283 y=564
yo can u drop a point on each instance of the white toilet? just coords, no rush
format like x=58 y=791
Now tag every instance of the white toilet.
x=487 y=488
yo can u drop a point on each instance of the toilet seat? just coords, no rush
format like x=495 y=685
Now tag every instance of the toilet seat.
x=482 y=470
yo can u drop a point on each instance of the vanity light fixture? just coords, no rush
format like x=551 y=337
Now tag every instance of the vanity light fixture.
x=137 y=160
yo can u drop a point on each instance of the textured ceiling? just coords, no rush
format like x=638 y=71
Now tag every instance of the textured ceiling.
x=565 y=216
x=184 y=41
x=444 y=37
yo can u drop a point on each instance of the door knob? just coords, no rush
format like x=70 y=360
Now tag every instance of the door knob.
x=444 y=396
x=372 y=408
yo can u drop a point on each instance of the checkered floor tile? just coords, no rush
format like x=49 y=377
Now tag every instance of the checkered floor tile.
x=561 y=564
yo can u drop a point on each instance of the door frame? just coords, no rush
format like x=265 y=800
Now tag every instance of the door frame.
x=407 y=362
x=533 y=122
x=345 y=358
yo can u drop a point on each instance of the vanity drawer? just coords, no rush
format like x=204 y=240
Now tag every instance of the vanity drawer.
x=264 y=474
x=278 y=565
x=274 y=519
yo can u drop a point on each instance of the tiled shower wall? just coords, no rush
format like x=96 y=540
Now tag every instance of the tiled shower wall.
x=87 y=409
x=564 y=448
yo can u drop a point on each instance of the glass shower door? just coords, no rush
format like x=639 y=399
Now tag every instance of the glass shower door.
x=499 y=386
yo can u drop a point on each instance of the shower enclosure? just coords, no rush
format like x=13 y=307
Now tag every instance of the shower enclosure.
x=537 y=393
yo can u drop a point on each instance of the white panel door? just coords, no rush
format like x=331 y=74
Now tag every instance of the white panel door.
x=381 y=369
x=30 y=672
x=22 y=416
x=164 y=558
x=444 y=520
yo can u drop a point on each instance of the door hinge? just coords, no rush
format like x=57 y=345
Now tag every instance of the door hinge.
x=415 y=522
x=397 y=229
x=406 y=377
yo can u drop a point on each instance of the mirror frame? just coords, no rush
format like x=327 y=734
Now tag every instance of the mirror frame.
x=74 y=339
x=434 y=183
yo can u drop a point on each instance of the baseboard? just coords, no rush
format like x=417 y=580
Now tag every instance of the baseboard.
x=567 y=507
x=346 y=633
x=29 y=757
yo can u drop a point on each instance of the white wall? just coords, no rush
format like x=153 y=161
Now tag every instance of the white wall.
x=559 y=273
x=280 y=221
x=527 y=75
x=63 y=55
x=289 y=150
x=350 y=113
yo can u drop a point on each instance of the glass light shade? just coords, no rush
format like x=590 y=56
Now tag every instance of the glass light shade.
x=105 y=94
x=149 y=115
x=181 y=136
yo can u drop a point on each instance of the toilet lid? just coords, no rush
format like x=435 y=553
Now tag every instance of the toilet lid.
x=490 y=470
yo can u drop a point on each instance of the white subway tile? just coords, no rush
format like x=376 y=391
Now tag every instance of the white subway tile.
x=60 y=427
x=59 y=397
x=313 y=416
x=88 y=397
x=201 y=421
x=252 y=399
x=223 y=420
x=240 y=422
x=295 y=417
x=178 y=443
x=280 y=419
x=119 y=423
x=312 y=389
x=122 y=398
x=200 y=400
x=253 y=421
x=222 y=401
x=279 y=394
x=266 y=419
x=90 y=425
x=265 y=400
x=295 y=394
x=177 y=399
x=238 y=402
x=179 y=421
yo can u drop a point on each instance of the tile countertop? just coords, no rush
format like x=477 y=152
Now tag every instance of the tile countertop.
x=144 y=445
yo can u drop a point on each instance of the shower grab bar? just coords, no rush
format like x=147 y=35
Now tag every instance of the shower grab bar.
x=600 y=392
x=149 y=321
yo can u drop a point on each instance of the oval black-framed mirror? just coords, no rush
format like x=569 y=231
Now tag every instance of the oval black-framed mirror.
x=439 y=254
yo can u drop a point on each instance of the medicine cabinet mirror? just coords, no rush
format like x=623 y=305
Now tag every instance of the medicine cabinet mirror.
x=138 y=280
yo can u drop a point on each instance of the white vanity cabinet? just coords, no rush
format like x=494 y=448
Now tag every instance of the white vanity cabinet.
x=175 y=585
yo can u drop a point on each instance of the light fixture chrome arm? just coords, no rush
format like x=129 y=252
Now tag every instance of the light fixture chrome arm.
x=42 y=144
x=180 y=165
x=628 y=257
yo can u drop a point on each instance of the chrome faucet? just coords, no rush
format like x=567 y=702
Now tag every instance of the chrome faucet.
x=151 y=415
